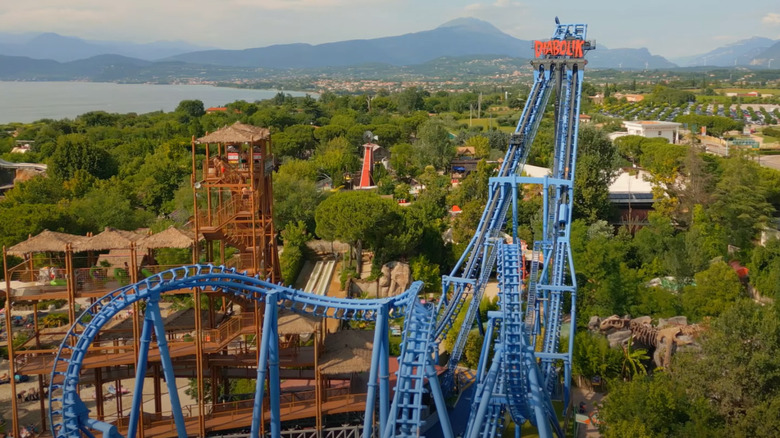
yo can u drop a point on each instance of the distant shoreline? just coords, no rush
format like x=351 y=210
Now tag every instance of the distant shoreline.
x=29 y=101
x=205 y=83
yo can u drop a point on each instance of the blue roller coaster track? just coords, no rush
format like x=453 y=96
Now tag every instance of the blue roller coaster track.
x=520 y=377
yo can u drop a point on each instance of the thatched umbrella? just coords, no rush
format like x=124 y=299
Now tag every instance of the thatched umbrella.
x=347 y=352
x=291 y=323
x=110 y=238
x=46 y=241
x=172 y=237
x=236 y=133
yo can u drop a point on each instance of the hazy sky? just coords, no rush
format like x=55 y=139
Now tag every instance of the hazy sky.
x=668 y=28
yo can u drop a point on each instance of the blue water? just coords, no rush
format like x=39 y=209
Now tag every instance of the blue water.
x=29 y=101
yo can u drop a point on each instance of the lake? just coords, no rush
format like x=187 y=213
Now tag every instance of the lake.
x=29 y=101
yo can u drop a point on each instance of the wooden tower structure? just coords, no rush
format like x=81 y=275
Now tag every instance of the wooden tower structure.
x=233 y=198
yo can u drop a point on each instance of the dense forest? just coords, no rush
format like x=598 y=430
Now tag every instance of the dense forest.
x=129 y=171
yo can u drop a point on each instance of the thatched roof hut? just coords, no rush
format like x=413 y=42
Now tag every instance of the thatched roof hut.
x=118 y=258
x=291 y=323
x=347 y=352
x=110 y=238
x=236 y=133
x=46 y=241
x=171 y=237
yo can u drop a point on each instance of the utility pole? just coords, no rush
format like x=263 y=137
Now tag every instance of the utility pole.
x=479 y=105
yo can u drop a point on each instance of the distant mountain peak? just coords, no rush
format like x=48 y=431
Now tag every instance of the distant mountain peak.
x=472 y=24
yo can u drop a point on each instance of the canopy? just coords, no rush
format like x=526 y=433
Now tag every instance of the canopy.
x=236 y=133
x=172 y=237
x=110 y=238
x=346 y=352
x=45 y=241
x=291 y=323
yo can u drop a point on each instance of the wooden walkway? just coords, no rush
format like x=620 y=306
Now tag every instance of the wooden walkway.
x=238 y=415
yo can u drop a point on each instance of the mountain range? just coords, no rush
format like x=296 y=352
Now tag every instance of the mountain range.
x=752 y=51
x=55 y=57
x=66 y=48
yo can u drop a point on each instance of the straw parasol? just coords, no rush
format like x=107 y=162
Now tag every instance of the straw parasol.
x=236 y=133
x=291 y=323
x=110 y=238
x=347 y=352
x=171 y=237
x=46 y=241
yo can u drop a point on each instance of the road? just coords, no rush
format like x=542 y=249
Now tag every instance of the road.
x=771 y=161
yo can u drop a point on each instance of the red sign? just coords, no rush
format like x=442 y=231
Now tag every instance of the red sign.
x=571 y=48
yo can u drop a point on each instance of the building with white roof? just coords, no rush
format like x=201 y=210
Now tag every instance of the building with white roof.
x=654 y=129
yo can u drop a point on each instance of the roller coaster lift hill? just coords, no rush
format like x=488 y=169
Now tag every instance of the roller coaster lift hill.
x=519 y=379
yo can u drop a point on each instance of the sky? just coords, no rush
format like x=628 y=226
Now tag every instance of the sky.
x=667 y=28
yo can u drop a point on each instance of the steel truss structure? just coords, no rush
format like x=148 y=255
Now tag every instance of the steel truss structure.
x=521 y=376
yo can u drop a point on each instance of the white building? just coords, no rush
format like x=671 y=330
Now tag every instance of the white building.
x=655 y=128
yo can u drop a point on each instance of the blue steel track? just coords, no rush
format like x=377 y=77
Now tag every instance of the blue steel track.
x=518 y=379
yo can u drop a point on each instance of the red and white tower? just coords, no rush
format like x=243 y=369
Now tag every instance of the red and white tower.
x=367 y=172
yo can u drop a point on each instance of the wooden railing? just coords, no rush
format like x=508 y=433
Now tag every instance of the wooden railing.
x=228 y=330
x=242 y=410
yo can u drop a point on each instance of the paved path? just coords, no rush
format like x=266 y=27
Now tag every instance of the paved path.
x=591 y=399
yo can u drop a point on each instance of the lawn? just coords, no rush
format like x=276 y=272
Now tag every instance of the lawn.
x=486 y=124
x=529 y=431
x=773 y=91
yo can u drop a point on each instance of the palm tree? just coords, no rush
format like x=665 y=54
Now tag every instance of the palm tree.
x=632 y=360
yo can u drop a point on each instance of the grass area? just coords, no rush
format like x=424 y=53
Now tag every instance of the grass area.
x=770 y=140
x=529 y=431
x=486 y=124
x=774 y=91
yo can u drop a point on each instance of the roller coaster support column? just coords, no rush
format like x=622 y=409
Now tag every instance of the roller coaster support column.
x=514 y=214
x=140 y=373
x=379 y=365
x=269 y=319
x=153 y=311
x=484 y=355
x=441 y=404
x=384 y=368
x=272 y=343
x=485 y=391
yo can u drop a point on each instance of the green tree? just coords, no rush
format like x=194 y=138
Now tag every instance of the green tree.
x=295 y=200
x=480 y=144
x=109 y=204
x=411 y=99
x=737 y=369
x=161 y=174
x=595 y=171
x=765 y=268
x=37 y=190
x=716 y=289
x=18 y=222
x=336 y=159
x=74 y=153
x=592 y=357
x=655 y=407
x=704 y=241
x=291 y=260
x=357 y=217
x=633 y=359
x=427 y=272
x=433 y=146
x=296 y=141
x=192 y=108
x=402 y=160
x=740 y=205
